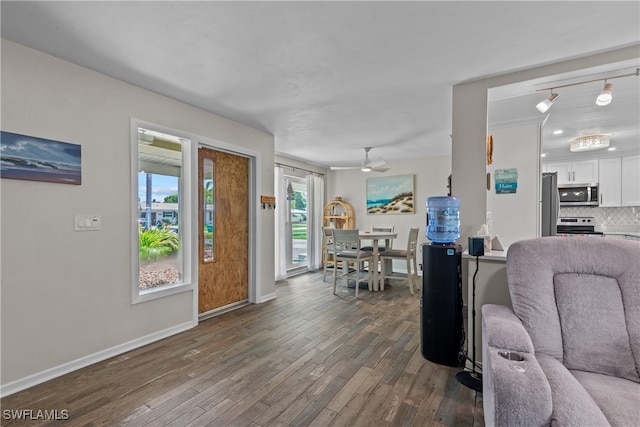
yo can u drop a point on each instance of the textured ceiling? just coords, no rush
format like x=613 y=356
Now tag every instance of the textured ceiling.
x=325 y=78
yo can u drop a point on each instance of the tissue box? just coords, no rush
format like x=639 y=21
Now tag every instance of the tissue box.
x=487 y=244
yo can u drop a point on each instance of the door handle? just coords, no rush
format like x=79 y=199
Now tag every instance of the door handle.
x=574 y=176
x=569 y=177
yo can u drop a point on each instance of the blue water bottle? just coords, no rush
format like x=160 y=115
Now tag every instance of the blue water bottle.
x=443 y=219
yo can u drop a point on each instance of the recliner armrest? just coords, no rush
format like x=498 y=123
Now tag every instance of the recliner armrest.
x=515 y=393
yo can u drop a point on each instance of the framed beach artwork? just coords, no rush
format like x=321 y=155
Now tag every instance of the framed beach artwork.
x=390 y=195
x=38 y=159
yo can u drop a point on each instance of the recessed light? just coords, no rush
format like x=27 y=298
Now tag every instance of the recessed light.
x=611 y=149
x=543 y=155
x=558 y=132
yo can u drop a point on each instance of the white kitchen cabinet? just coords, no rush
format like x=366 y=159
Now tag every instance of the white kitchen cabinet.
x=630 y=181
x=577 y=172
x=610 y=180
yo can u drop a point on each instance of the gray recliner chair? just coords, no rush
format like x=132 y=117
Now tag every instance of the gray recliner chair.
x=569 y=353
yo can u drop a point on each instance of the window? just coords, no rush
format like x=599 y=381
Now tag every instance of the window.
x=296 y=227
x=208 y=209
x=161 y=233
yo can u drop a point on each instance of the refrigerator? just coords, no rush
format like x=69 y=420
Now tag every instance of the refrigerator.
x=550 y=203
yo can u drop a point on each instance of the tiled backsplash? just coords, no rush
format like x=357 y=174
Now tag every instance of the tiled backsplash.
x=607 y=217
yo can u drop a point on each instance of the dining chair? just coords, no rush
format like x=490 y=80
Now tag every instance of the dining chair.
x=346 y=243
x=383 y=247
x=329 y=248
x=409 y=255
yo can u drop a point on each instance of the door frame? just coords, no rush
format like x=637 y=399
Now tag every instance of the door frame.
x=254 y=256
x=191 y=199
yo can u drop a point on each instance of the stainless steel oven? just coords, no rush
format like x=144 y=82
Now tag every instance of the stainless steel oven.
x=578 y=194
x=577 y=226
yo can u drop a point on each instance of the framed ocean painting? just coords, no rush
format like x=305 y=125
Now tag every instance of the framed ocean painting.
x=390 y=195
x=38 y=159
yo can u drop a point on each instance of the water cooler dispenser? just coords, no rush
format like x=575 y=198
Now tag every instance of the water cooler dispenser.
x=441 y=299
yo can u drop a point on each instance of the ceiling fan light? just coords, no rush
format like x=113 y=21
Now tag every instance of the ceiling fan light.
x=544 y=105
x=366 y=169
x=605 y=96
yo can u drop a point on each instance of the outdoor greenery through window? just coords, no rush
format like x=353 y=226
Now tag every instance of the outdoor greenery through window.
x=297 y=203
x=208 y=209
x=159 y=209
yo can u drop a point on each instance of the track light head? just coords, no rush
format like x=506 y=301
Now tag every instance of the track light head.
x=547 y=103
x=605 y=96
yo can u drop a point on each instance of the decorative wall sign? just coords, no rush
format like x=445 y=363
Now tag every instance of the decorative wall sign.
x=38 y=159
x=506 y=180
x=390 y=195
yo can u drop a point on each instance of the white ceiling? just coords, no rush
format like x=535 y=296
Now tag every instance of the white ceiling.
x=329 y=78
x=575 y=112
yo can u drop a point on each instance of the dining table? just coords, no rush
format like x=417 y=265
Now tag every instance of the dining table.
x=375 y=237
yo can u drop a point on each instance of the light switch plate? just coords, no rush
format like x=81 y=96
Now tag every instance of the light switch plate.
x=87 y=222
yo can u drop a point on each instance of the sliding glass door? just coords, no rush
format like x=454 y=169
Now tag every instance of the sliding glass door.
x=296 y=224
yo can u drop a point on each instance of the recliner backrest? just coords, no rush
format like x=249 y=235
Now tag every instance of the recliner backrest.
x=579 y=299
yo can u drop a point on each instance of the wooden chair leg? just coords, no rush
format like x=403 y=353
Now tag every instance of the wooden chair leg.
x=409 y=276
x=416 y=278
x=357 y=276
x=335 y=278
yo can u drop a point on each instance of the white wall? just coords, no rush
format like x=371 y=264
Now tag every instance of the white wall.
x=516 y=215
x=431 y=175
x=66 y=296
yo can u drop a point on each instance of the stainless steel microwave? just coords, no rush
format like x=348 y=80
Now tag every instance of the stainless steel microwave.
x=578 y=194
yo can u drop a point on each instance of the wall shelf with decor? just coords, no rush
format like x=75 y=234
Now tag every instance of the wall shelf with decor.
x=339 y=214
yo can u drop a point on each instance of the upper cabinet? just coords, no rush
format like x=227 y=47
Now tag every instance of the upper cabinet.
x=619 y=183
x=630 y=181
x=610 y=184
x=578 y=172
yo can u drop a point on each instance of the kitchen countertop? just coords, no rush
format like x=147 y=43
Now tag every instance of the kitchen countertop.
x=623 y=233
x=620 y=231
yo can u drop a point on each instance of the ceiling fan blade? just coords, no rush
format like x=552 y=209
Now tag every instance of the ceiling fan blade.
x=342 y=168
x=380 y=169
x=376 y=163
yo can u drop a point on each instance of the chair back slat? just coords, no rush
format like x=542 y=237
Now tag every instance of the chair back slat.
x=345 y=239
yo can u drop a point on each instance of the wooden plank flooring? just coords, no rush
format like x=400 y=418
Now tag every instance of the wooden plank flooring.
x=307 y=358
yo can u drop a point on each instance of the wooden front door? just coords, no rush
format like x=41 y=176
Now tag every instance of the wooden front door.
x=223 y=242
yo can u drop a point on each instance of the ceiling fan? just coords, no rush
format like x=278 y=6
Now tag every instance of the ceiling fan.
x=366 y=165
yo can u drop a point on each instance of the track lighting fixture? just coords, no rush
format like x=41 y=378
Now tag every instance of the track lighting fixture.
x=544 y=105
x=605 y=96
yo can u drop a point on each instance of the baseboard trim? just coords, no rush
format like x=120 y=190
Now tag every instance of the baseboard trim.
x=82 y=362
x=268 y=297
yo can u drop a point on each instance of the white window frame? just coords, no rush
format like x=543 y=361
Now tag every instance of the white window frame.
x=185 y=217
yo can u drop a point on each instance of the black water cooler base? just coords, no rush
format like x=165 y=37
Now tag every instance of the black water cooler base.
x=441 y=304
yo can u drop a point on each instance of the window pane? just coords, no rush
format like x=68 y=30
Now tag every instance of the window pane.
x=297 y=230
x=208 y=210
x=159 y=210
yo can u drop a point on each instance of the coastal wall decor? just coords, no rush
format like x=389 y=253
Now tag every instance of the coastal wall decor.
x=390 y=195
x=38 y=159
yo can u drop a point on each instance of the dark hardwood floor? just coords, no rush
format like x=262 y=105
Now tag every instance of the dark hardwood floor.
x=306 y=358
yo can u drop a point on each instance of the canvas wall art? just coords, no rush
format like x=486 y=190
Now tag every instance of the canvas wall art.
x=38 y=159
x=390 y=195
